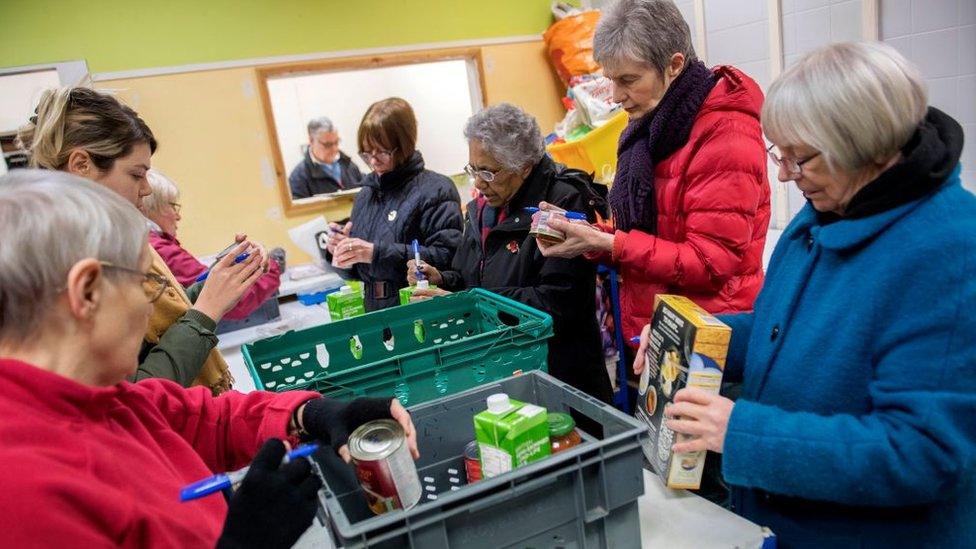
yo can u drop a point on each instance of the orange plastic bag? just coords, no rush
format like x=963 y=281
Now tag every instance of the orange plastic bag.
x=570 y=45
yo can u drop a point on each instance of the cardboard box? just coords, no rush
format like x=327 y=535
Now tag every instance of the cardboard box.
x=346 y=303
x=687 y=348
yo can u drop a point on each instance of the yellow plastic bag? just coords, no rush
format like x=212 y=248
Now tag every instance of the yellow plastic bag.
x=570 y=45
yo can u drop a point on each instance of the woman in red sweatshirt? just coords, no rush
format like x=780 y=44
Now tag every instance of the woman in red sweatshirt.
x=91 y=460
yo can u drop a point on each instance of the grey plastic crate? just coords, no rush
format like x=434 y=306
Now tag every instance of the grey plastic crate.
x=583 y=497
x=265 y=313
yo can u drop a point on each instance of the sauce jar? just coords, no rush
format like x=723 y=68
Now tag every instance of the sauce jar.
x=562 y=432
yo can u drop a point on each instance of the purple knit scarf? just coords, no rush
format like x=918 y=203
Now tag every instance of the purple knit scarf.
x=650 y=139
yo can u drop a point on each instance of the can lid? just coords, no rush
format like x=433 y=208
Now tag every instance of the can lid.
x=498 y=403
x=560 y=424
x=375 y=440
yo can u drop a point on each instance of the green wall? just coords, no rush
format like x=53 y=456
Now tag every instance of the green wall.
x=114 y=35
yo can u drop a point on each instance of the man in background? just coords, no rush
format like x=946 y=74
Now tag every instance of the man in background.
x=324 y=168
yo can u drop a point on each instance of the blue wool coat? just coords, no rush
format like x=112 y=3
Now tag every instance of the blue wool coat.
x=857 y=421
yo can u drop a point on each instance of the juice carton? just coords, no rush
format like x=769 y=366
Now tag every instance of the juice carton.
x=346 y=303
x=510 y=434
x=405 y=293
x=687 y=348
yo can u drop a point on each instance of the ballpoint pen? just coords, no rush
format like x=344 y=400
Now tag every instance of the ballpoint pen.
x=237 y=259
x=579 y=216
x=233 y=479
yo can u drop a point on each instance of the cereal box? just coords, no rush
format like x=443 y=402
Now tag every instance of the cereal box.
x=687 y=347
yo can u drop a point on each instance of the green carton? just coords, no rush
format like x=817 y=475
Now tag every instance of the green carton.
x=405 y=293
x=346 y=303
x=510 y=434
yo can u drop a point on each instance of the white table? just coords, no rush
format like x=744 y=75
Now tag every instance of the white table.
x=668 y=518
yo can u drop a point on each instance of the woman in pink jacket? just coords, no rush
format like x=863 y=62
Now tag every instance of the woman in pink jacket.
x=162 y=207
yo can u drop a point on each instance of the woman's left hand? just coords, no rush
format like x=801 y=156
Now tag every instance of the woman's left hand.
x=353 y=250
x=421 y=295
x=701 y=415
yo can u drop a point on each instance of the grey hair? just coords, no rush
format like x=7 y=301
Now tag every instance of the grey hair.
x=164 y=191
x=50 y=220
x=646 y=31
x=857 y=103
x=320 y=124
x=510 y=135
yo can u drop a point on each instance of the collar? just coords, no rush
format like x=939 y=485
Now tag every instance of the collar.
x=49 y=393
x=845 y=234
x=397 y=177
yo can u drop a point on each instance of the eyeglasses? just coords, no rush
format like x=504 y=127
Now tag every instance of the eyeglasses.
x=793 y=167
x=153 y=284
x=487 y=176
x=380 y=156
x=176 y=207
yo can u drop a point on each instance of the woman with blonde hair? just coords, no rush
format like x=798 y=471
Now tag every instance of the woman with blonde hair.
x=91 y=134
x=856 y=426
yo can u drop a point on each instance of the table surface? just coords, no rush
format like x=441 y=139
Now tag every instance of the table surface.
x=669 y=518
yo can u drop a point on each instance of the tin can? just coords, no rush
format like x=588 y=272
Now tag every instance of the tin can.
x=384 y=467
x=472 y=462
x=540 y=226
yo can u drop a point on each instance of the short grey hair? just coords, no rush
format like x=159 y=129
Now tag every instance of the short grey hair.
x=50 y=220
x=646 y=31
x=510 y=135
x=320 y=124
x=164 y=191
x=857 y=103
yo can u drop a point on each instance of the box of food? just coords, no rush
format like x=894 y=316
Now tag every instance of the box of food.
x=346 y=303
x=687 y=348
x=510 y=434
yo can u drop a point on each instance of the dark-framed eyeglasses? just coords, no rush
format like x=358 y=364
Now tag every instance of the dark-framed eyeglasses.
x=793 y=167
x=380 y=156
x=176 y=207
x=487 y=176
x=153 y=284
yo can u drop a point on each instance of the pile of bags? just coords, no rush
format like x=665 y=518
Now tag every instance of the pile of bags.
x=589 y=103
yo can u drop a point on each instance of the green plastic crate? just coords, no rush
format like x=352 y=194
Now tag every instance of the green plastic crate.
x=466 y=339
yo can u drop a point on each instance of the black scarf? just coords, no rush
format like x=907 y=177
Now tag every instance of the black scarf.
x=650 y=139
x=927 y=160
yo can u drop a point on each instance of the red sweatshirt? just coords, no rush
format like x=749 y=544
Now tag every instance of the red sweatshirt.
x=187 y=268
x=90 y=467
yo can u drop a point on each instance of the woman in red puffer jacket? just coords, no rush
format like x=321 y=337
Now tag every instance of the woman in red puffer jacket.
x=690 y=198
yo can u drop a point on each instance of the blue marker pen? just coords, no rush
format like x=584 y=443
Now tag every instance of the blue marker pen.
x=635 y=340
x=579 y=216
x=238 y=259
x=233 y=479
x=416 y=259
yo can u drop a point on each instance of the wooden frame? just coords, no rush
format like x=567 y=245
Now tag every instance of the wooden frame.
x=289 y=207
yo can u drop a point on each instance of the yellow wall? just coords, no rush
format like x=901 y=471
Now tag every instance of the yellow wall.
x=214 y=142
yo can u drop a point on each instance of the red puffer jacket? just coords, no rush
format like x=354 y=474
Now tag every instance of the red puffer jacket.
x=713 y=212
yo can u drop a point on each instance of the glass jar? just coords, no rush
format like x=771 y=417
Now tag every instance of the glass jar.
x=562 y=432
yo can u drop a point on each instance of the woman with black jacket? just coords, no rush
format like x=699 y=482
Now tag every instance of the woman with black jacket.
x=511 y=170
x=400 y=201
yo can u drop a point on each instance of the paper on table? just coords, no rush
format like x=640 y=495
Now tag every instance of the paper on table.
x=312 y=237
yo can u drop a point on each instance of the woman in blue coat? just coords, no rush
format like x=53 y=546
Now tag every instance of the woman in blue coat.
x=857 y=421
x=400 y=201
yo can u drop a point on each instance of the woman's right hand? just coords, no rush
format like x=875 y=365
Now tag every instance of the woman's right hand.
x=338 y=233
x=227 y=282
x=429 y=271
x=641 y=350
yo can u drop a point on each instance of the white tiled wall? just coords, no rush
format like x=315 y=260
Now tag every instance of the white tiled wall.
x=810 y=24
x=940 y=36
x=737 y=33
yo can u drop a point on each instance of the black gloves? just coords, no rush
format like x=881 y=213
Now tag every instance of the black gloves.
x=332 y=421
x=275 y=503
